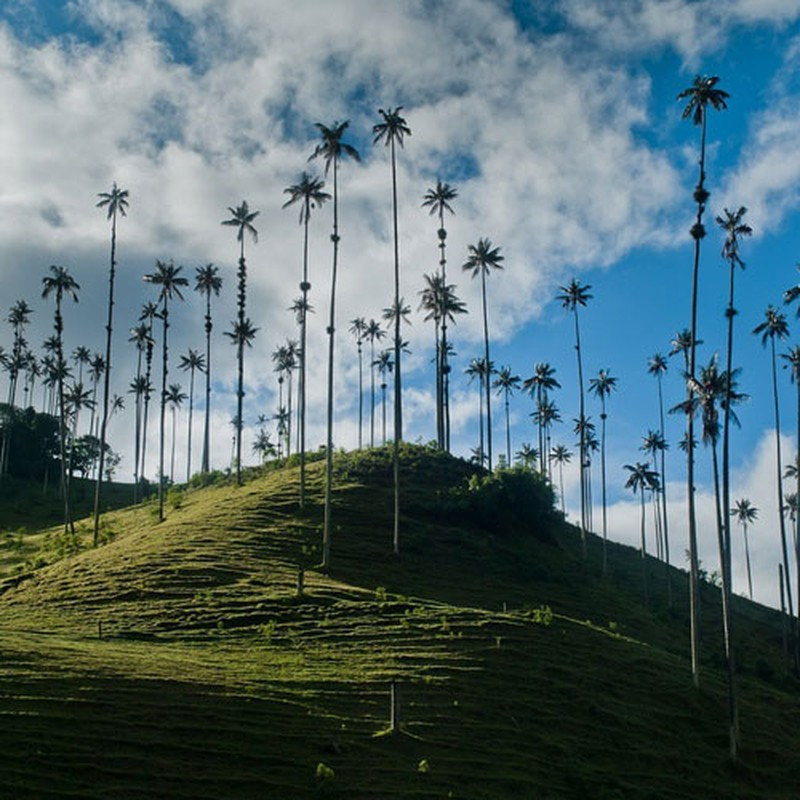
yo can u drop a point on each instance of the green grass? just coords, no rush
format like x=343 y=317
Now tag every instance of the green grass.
x=178 y=661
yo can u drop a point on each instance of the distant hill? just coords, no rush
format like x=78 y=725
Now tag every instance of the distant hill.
x=180 y=660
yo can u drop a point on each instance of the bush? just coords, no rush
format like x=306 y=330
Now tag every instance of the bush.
x=509 y=501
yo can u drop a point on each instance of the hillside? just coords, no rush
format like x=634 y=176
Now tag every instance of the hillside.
x=178 y=660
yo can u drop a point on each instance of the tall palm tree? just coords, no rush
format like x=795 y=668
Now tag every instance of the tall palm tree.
x=76 y=398
x=732 y=223
x=775 y=327
x=148 y=314
x=482 y=370
x=139 y=336
x=309 y=193
x=332 y=149
x=545 y=414
x=561 y=455
x=358 y=328
x=640 y=479
x=699 y=96
x=601 y=387
x=657 y=366
x=175 y=398
x=193 y=362
x=746 y=513
x=82 y=356
x=654 y=444
x=169 y=281
x=506 y=383
x=241 y=335
x=573 y=296
x=437 y=201
x=384 y=364
x=481 y=260
x=391 y=131
x=542 y=381
x=18 y=317
x=241 y=219
x=207 y=281
x=61 y=284
x=527 y=455
x=792 y=359
x=373 y=333
x=116 y=203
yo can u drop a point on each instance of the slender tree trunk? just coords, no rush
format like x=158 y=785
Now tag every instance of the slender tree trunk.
x=360 y=393
x=508 y=432
x=372 y=392
x=240 y=360
x=189 y=430
x=644 y=546
x=106 y=380
x=148 y=392
x=207 y=422
x=603 y=481
x=581 y=436
x=304 y=287
x=747 y=560
x=398 y=386
x=784 y=548
x=488 y=370
x=326 y=530
x=163 y=409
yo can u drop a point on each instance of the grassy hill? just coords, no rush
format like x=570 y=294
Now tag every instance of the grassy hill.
x=179 y=660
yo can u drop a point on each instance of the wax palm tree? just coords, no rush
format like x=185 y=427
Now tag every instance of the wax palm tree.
x=97 y=369
x=775 y=327
x=384 y=365
x=732 y=223
x=573 y=296
x=601 y=387
x=437 y=200
x=242 y=219
x=309 y=192
x=482 y=259
x=482 y=370
x=792 y=359
x=169 y=281
x=527 y=456
x=241 y=335
x=544 y=416
x=506 y=383
x=207 y=281
x=81 y=355
x=175 y=398
x=61 y=284
x=539 y=384
x=654 y=444
x=699 y=96
x=18 y=317
x=392 y=130
x=746 y=513
x=148 y=314
x=139 y=337
x=116 y=203
x=640 y=479
x=263 y=445
x=358 y=327
x=373 y=333
x=561 y=455
x=76 y=398
x=193 y=362
x=332 y=149
x=657 y=366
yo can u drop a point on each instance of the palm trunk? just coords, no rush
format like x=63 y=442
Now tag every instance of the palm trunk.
x=148 y=392
x=207 y=423
x=782 y=521
x=644 y=546
x=189 y=427
x=398 y=398
x=582 y=435
x=508 y=432
x=162 y=420
x=488 y=370
x=326 y=530
x=304 y=287
x=372 y=392
x=240 y=360
x=106 y=380
x=747 y=561
x=603 y=481
x=360 y=393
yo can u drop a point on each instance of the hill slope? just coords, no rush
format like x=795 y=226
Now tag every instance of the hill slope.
x=180 y=661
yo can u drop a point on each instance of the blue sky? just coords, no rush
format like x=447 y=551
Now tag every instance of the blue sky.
x=556 y=121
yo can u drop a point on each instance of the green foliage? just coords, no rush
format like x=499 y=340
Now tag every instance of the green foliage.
x=324 y=772
x=33 y=446
x=175 y=497
x=541 y=616
x=508 y=501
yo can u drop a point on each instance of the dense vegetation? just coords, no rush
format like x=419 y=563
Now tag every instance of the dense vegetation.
x=186 y=659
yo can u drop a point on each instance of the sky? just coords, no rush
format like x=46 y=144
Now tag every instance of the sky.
x=557 y=122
